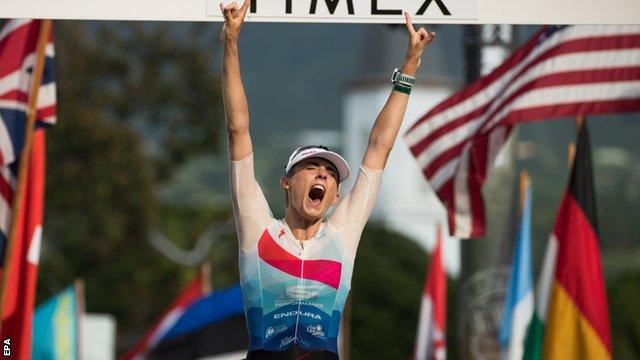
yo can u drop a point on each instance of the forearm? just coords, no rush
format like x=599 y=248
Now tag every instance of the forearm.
x=387 y=125
x=235 y=103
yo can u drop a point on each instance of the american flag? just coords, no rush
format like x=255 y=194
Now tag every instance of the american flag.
x=560 y=71
x=18 y=43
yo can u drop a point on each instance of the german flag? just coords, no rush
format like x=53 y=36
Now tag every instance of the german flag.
x=577 y=319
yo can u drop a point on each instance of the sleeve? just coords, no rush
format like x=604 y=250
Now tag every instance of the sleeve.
x=250 y=208
x=353 y=211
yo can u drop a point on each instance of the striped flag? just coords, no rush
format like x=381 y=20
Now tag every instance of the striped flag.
x=577 y=319
x=212 y=327
x=518 y=306
x=432 y=321
x=194 y=291
x=18 y=41
x=560 y=71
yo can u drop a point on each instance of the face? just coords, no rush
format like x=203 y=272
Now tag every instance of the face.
x=312 y=187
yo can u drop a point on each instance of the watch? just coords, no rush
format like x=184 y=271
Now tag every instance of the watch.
x=403 y=79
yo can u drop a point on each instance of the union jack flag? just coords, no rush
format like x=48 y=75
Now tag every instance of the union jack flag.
x=561 y=71
x=18 y=43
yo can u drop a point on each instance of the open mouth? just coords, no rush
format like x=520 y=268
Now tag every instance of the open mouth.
x=316 y=194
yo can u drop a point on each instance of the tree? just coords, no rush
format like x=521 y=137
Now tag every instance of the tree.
x=387 y=287
x=158 y=78
x=623 y=294
x=99 y=203
x=134 y=100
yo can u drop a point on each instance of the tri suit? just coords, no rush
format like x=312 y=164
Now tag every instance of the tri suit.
x=294 y=291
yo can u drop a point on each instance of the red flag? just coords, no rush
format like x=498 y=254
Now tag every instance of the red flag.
x=193 y=291
x=432 y=322
x=561 y=71
x=17 y=314
x=577 y=324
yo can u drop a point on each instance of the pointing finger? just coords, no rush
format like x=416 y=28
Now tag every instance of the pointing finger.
x=407 y=18
x=244 y=9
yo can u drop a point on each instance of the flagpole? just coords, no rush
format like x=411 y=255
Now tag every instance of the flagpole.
x=205 y=271
x=579 y=122
x=25 y=154
x=80 y=300
x=524 y=185
x=572 y=145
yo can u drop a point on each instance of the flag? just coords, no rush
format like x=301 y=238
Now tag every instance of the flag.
x=432 y=321
x=535 y=331
x=577 y=318
x=18 y=42
x=193 y=292
x=518 y=307
x=560 y=71
x=212 y=326
x=55 y=327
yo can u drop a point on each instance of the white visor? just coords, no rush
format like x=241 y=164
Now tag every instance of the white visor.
x=317 y=151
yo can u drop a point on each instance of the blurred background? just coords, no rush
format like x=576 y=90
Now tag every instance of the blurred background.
x=137 y=178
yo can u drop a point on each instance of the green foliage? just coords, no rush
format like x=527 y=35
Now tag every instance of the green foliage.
x=99 y=201
x=157 y=77
x=134 y=99
x=387 y=287
x=623 y=294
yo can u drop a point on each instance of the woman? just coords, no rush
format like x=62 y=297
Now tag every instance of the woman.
x=296 y=272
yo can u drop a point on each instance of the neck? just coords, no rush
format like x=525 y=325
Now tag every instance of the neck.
x=302 y=229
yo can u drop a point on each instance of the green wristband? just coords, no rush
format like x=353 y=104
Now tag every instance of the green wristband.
x=402 y=88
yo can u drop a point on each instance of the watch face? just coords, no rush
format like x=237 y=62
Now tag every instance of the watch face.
x=394 y=76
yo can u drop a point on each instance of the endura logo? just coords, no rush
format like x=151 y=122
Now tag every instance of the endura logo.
x=296 y=313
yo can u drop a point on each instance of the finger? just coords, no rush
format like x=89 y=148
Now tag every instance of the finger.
x=225 y=13
x=407 y=18
x=231 y=8
x=431 y=36
x=244 y=9
x=424 y=35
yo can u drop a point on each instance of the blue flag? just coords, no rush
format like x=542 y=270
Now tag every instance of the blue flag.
x=55 y=327
x=518 y=307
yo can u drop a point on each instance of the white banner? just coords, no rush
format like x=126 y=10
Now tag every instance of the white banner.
x=343 y=11
x=358 y=11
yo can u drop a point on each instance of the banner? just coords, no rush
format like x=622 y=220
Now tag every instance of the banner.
x=356 y=11
x=343 y=11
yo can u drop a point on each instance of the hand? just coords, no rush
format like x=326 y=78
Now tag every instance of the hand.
x=233 y=19
x=418 y=41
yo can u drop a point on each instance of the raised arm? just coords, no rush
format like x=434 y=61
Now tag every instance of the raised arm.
x=385 y=129
x=235 y=101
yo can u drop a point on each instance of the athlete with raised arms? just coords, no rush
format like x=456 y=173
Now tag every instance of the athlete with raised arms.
x=296 y=272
